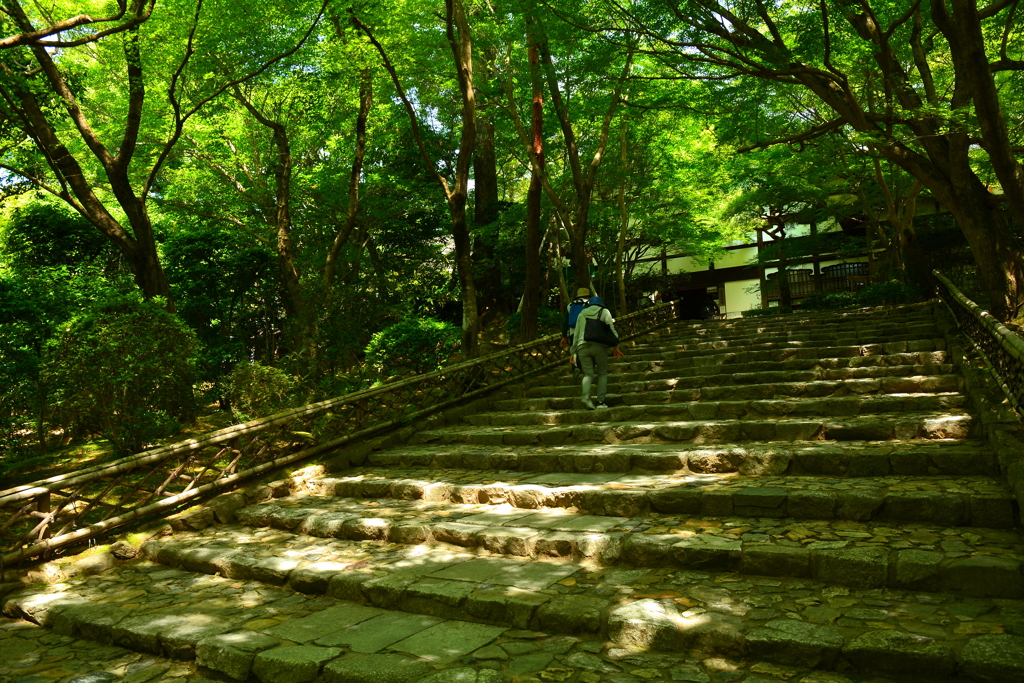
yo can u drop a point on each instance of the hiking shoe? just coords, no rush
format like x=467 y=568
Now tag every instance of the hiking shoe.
x=601 y=405
x=587 y=404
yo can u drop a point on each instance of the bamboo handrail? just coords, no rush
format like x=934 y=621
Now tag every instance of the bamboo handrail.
x=1001 y=348
x=202 y=466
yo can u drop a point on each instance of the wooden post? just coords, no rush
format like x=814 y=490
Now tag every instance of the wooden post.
x=760 y=268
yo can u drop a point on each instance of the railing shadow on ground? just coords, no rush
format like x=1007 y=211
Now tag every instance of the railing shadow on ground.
x=66 y=510
x=1002 y=350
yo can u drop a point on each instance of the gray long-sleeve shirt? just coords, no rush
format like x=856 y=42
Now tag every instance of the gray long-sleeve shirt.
x=590 y=313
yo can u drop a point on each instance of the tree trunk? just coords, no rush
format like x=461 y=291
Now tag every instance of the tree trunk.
x=138 y=247
x=559 y=259
x=531 y=283
x=964 y=33
x=352 y=210
x=485 y=196
x=461 y=44
x=291 y=289
x=624 y=225
x=944 y=168
x=583 y=179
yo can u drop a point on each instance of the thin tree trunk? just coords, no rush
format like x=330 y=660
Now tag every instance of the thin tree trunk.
x=531 y=283
x=485 y=196
x=624 y=218
x=291 y=288
x=459 y=39
x=583 y=179
x=352 y=210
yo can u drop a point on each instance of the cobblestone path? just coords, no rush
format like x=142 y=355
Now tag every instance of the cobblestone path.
x=806 y=499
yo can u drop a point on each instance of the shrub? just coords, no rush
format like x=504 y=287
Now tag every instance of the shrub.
x=413 y=345
x=124 y=368
x=830 y=300
x=763 y=312
x=255 y=390
x=891 y=292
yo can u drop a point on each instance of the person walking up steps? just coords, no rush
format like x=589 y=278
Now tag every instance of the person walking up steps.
x=572 y=312
x=594 y=335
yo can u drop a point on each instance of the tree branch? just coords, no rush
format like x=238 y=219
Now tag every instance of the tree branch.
x=413 y=121
x=180 y=120
x=35 y=37
x=811 y=134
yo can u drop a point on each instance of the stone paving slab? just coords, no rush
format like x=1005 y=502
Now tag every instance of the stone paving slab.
x=708 y=622
x=379 y=632
x=847 y=459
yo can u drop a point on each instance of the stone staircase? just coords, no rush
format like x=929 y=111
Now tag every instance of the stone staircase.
x=805 y=498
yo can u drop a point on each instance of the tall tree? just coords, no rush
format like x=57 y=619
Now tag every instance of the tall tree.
x=456 y=190
x=880 y=71
x=89 y=145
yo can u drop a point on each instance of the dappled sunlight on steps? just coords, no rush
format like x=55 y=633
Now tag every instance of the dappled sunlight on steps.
x=805 y=497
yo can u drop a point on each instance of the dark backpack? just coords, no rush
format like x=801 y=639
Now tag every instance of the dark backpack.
x=600 y=332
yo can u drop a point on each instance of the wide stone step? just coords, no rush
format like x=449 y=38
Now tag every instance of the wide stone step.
x=942 y=500
x=933 y=362
x=896 y=343
x=742 y=387
x=689 y=405
x=863 y=555
x=821 y=325
x=29 y=652
x=678 y=359
x=944 y=425
x=345 y=625
x=843 y=459
x=683 y=333
x=558 y=384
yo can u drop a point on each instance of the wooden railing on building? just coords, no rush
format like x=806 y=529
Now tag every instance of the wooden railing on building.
x=66 y=510
x=841 y=277
x=1002 y=349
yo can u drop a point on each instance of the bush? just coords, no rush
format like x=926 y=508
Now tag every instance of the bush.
x=891 y=292
x=124 y=368
x=548 y=322
x=763 y=312
x=830 y=300
x=255 y=390
x=413 y=345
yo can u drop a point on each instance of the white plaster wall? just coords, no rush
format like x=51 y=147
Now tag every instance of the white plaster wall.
x=685 y=264
x=738 y=300
x=736 y=257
